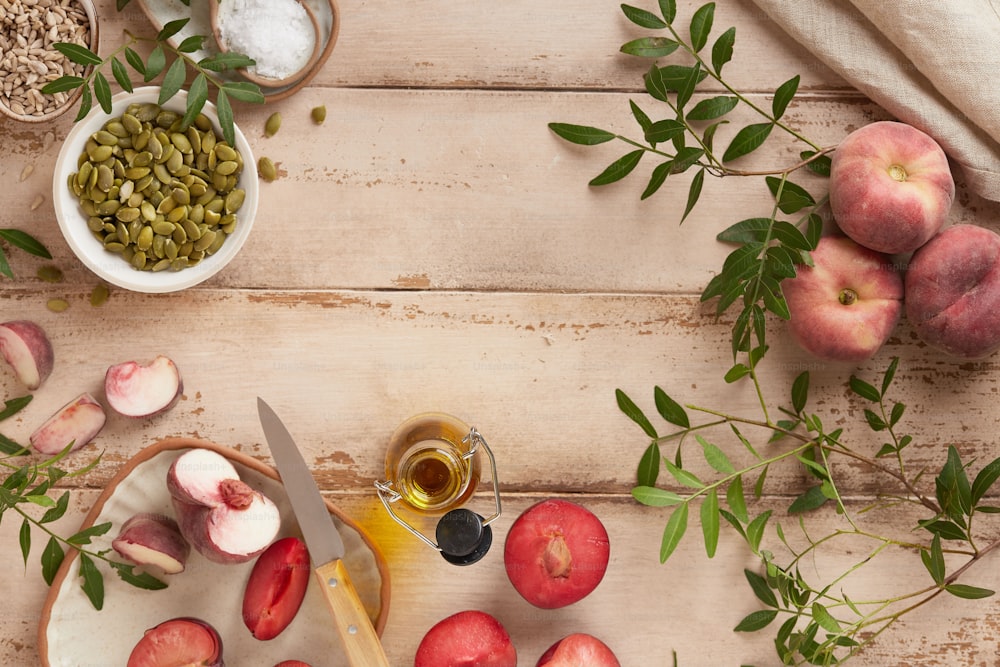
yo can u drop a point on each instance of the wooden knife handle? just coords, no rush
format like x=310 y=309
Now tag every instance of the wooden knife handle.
x=361 y=642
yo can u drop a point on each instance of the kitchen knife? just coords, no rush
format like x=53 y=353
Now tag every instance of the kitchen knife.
x=326 y=548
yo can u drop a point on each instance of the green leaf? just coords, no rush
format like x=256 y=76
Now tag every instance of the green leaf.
x=191 y=44
x=649 y=465
x=11 y=447
x=86 y=102
x=24 y=538
x=170 y=29
x=657 y=178
x=986 y=478
x=746 y=231
x=643 y=18
x=755 y=529
x=821 y=165
x=715 y=457
x=121 y=75
x=84 y=536
x=135 y=61
x=737 y=372
x=618 y=169
x=25 y=242
x=757 y=620
x=722 y=50
x=673 y=533
x=581 y=134
x=143 y=580
x=52 y=558
x=792 y=197
x=694 y=193
x=244 y=91
x=669 y=409
x=650 y=47
x=80 y=55
x=736 y=499
x=875 y=422
x=710 y=522
x=55 y=513
x=224 y=62
x=173 y=81
x=864 y=390
x=701 y=26
x=687 y=86
x=890 y=373
x=632 y=411
x=952 y=487
x=155 y=63
x=747 y=140
x=225 y=112
x=14 y=405
x=800 y=392
x=713 y=107
x=687 y=158
x=656 y=497
x=783 y=96
x=196 y=99
x=93 y=581
x=664 y=130
x=808 y=501
x=640 y=116
x=933 y=560
x=760 y=588
x=886 y=450
x=40 y=500
x=948 y=530
x=825 y=619
x=102 y=91
x=682 y=476
x=63 y=84
x=669 y=10
x=969 y=592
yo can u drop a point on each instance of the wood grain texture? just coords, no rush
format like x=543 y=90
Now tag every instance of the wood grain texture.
x=434 y=246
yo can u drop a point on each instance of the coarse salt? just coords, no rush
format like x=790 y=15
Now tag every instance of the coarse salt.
x=277 y=34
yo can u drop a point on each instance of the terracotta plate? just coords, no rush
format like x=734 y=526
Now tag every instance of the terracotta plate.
x=71 y=629
x=161 y=12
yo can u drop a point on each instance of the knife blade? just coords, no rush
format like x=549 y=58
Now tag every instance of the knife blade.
x=326 y=548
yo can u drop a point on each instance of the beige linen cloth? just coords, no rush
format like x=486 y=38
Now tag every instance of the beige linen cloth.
x=930 y=63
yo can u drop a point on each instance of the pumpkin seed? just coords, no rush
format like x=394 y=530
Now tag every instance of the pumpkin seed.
x=99 y=295
x=57 y=305
x=267 y=169
x=319 y=114
x=50 y=273
x=273 y=124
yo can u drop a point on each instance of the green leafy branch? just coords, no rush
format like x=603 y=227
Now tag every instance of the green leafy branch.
x=822 y=625
x=29 y=484
x=768 y=249
x=96 y=84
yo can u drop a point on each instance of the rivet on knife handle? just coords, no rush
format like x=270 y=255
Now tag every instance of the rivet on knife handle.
x=361 y=643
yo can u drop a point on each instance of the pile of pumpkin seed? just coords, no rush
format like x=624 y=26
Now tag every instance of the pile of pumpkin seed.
x=160 y=195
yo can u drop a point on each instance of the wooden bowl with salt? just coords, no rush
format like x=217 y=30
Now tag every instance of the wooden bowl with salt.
x=271 y=35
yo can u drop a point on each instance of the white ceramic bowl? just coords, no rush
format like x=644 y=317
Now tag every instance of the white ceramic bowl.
x=112 y=267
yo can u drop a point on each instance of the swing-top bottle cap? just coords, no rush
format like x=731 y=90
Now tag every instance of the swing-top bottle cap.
x=462 y=537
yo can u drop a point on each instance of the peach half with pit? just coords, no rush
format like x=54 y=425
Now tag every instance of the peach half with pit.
x=845 y=306
x=891 y=187
x=953 y=291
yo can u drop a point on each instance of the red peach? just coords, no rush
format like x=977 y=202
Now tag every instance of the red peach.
x=179 y=641
x=953 y=292
x=890 y=187
x=556 y=553
x=27 y=349
x=579 y=650
x=845 y=306
x=276 y=588
x=467 y=639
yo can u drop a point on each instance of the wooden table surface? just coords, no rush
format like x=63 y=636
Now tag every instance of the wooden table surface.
x=435 y=247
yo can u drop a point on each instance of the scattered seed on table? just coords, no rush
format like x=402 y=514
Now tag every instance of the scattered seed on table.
x=273 y=124
x=319 y=114
x=99 y=295
x=57 y=305
x=50 y=273
x=267 y=169
x=37 y=201
x=26 y=172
